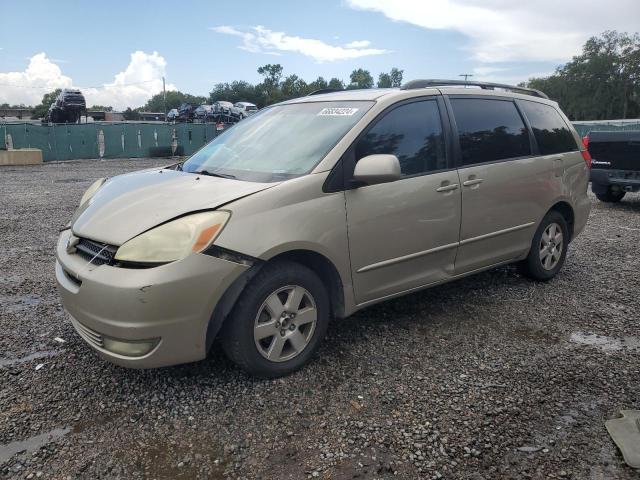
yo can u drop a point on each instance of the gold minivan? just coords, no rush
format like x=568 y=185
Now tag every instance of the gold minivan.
x=317 y=207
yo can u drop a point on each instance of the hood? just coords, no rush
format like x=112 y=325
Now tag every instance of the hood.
x=130 y=204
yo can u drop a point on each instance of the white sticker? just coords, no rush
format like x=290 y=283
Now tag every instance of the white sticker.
x=338 y=111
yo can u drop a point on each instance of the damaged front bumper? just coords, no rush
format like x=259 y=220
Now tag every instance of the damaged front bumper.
x=144 y=317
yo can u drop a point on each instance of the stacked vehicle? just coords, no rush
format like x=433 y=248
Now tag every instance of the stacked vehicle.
x=220 y=112
x=67 y=108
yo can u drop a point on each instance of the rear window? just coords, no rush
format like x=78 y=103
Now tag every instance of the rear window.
x=489 y=130
x=549 y=129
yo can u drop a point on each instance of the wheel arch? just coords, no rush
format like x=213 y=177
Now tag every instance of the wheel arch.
x=313 y=260
x=565 y=209
x=325 y=269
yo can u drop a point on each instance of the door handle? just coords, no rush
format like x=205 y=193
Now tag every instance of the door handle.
x=447 y=188
x=470 y=183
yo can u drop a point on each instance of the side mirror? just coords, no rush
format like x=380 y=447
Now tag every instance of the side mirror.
x=374 y=169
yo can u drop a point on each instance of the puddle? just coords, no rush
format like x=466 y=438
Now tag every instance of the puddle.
x=69 y=180
x=606 y=344
x=13 y=304
x=7 y=362
x=31 y=444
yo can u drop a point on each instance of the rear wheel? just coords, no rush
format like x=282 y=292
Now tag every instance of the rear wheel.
x=278 y=322
x=611 y=196
x=548 y=248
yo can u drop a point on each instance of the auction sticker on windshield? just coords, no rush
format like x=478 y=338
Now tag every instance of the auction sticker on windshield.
x=338 y=111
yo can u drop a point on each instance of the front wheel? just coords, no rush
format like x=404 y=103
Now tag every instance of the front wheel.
x=278 y=322
x=611 y=196
x=548 y=248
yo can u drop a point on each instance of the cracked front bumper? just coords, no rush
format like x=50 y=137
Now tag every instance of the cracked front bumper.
x=171 y=304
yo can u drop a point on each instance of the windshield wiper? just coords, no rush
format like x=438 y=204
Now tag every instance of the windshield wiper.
x=215 y=174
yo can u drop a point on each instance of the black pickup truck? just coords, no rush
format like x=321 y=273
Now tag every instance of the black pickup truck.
x=615 y=164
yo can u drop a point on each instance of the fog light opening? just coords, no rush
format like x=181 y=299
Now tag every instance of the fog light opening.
x=129 y=348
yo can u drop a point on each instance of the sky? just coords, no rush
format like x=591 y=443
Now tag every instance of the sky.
x=117 y=52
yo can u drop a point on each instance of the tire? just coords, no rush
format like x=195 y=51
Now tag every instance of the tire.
x=265 y=334
x=611 y=196
x=545 y=259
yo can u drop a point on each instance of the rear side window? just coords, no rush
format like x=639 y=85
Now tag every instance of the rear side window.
x=549 y=128
x=489 y=130
x=411 y=132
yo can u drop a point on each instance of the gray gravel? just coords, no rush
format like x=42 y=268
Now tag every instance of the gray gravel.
x=493 y=376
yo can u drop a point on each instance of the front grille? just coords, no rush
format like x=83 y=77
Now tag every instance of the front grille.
x=91 y=336
x=95 y=252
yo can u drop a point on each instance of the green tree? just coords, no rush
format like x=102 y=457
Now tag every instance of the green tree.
x=130 y=114
x=391 y=79
x=174 y=99
x=360 y=78
x=237 y=91
x=384 y=80
x=396 y=77
x=272 y=74
x=317 y=84
x=270 y=86
x=603 y=82
x=336 y=84
x=293 y=87
x=41 y=110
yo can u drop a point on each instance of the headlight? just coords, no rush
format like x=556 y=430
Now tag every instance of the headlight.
x=174 y=240
x=91 y=191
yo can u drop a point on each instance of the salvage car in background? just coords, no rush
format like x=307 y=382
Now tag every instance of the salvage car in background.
x=172 y=116
x=245 y=109
x=203 y=113
x=615 y=165
x=186 y=112
x=67 y=107
x=315 y=208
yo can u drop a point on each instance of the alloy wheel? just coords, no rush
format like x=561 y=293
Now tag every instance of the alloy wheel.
x=551 y=245
x=285 y=323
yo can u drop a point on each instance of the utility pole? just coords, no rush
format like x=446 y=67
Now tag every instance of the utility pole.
x=466 y=75
x=164 y=99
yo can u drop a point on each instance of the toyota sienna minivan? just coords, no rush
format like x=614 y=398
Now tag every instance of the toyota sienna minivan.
x=317 y=207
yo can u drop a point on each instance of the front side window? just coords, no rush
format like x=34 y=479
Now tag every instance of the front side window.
x=279 y=142
x=489 y=130
x=549 y=129
x=411 y=132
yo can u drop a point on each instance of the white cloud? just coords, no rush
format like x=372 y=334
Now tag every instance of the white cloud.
x=134 y=86
x=485 y=71
x=130 y=88
x=27 y=87
x=358 y=44
x=507 y=30
x=259 y=39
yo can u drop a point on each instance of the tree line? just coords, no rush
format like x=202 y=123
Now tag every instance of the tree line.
x=602 y=82
x=275 y=87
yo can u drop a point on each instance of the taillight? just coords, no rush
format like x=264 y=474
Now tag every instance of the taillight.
x=586 y=156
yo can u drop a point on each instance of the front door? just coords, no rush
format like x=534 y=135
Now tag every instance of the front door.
x=404 y=235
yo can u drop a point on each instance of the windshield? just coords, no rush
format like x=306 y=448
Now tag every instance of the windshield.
x=279 y=142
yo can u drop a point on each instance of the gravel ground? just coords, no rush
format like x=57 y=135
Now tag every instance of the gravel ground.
x=493 y=376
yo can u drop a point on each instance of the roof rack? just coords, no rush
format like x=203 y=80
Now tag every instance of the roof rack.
x=324 y=90
x=414 y=84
